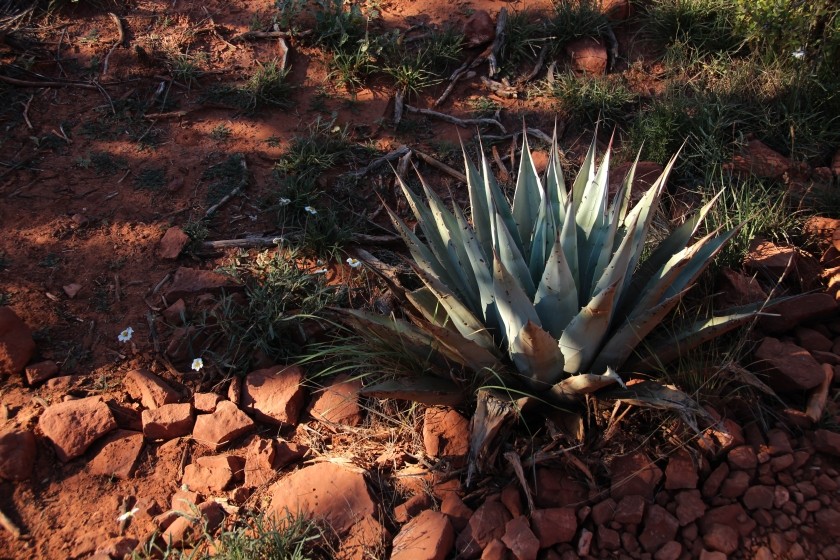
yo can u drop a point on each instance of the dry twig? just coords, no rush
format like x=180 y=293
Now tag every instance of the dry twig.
x=244 y=181
x=498 y=42
x=120 y=40
x=380 y=161
x=267 y=35
x=439 y=165
x=463 y=123
x=9 y=525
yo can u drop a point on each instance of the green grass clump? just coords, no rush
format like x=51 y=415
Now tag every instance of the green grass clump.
x=589 y=99
x=267 y=87
x=697 y=27
x=575 y=19
x=224 y=177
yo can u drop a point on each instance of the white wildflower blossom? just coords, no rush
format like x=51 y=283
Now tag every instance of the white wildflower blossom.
x=354 y=263
x=197 y=364
x=284 y=201
x=310 y=210
x=320 y=271
x=126 y=515
x=125 y=336
x=798 y=54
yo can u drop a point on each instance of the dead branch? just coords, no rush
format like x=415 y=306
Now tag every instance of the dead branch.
x=503 y=171
x=439 y=165
x=399 y=103
x=516 y=463
x=262 y=242
x=26 y=111
x=612 y=47
x=9 y=525
x=454 y=80
x=463 y=123
x=248 y=35
x=170 y=115
x=284 y=52
x=549 y=75
x=498 y=42
x=120 y=40
x=46 y=84
x=499 y=89
x=380 y=161
x=234 y=192
x=538 y=66
x=817 y=400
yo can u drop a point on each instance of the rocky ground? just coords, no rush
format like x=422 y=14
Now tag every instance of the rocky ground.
x=110 y=444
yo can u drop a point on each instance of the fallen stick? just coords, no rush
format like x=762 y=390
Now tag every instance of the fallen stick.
x=500 y=89
x=538 y=66
x=244 y=181
x=28 y=83
x=9 y=525
x=498 y=42
x=170 y=115
x=463 y=123
x=612 y=47
x=399 y=103
x=120 y=40
x=503 y=171
x=439 y=165
x=468 y=75
x=817 y=400
x=257 y=242
x=284 y=52
x=516 y=463
x=380 y=161
x=26 y=111
x=268 y=35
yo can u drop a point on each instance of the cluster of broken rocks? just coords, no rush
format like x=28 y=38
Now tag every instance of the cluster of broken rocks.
x=738 y=490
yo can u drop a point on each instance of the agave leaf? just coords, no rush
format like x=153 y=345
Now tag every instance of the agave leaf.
x=556 y=299
x=434 y=234
x=650 y=394
x=421 y=254
x=555 y=185
x=584 y=384
x=478 y=202
x=544 y=237
x=464 y=321
x=583 y=337
x=618 y=267
x=668 y=348
x=481 y=268
x=498 y=206
x=568 y=240
x=424 y=300
x=427 y=389
x=624 y=340
x=626 y=191
x=513 y=305
x=699 y=262
x=451 y=235
x=585 y=175
x=665 y=250
x=535 y=354
x=528 y=196
x=469 y=353
x=512 y=257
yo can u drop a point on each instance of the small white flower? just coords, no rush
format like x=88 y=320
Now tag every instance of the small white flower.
x=798 y=54
x=197 y=364
x=125 y=336
x=310 y=210
x=283 y=201
x=354 y=263
x=126 y=515
x=320 y=271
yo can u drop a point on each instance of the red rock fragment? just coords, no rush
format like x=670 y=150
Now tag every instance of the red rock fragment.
x=40 y=372
x=554 y=525
x=634 y=475
x=479 y=29
x=588 y=55
x=722 y=538
x=411 y=507
x=16 y=344
x=146 y=387
x=681 y=472
x=690 y=507
x=790 y=367
x=338 y=402
x=223 y=426
x=660 y=527
x=212 y=474
x=429 y=536
x=456 y=510
x=17 y=454
x=274 y=395
x=487 y=523
x=168 y=421
x=188 y=529
x=365 y=539
x=74 y=425
x=117 y=454
x=446 y=435
x=630 y=510
x=172 y=243
x=826 y=441
x=325 y=491
x=520 y=539
x=191 y=281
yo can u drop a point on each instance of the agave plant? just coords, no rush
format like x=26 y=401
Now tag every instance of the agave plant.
x=549 y=294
